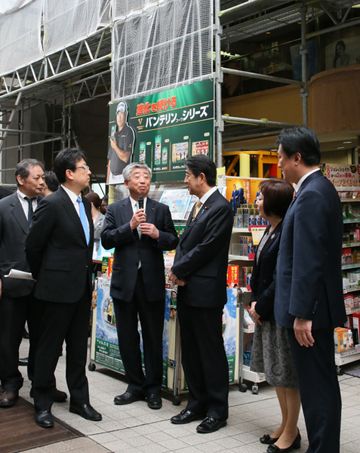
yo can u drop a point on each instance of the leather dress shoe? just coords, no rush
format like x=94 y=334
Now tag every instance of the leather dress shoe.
x=294 y=446
x=8 y=398
x=86 y=411
x=209 y=425
x=58 y=396
x=23 y=362
x=44 y=418
x=154 y=401
x=185 y=416
x=267 y=439
x=128 y=398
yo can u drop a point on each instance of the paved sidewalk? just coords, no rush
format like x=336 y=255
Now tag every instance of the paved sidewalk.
x=136 y=428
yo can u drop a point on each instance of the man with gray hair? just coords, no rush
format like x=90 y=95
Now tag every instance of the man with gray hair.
x=140 y=229
x=16 y=212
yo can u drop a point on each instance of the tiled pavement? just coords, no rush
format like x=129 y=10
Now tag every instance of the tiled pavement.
x=138 y=429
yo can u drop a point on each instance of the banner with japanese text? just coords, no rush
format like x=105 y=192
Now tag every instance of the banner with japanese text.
x=162 y=129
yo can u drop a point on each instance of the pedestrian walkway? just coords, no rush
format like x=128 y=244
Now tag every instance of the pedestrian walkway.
x=137 y=429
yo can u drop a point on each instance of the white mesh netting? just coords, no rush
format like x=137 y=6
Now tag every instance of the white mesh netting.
x=68 y=21
x=164 y=45
x=20 y=42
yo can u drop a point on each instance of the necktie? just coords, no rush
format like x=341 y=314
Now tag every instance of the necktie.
x=83 y=219
x=136 y=206
x=30 y=211
x=197 y=208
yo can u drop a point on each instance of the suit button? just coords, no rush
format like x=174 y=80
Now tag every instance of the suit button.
x=86 y=267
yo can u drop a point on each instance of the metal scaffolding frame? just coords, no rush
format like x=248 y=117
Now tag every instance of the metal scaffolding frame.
x=81 y=73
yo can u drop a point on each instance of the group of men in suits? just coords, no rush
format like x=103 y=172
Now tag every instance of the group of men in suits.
x=308 y=298
x=53 y=240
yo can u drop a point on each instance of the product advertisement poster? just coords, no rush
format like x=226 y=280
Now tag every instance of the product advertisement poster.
x=230 y=332
x=162 y=130
x=106 y=341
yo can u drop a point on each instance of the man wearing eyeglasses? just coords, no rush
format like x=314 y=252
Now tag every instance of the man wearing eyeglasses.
x=59 y=250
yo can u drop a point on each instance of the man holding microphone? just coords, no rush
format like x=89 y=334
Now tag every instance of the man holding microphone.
x=140 y=229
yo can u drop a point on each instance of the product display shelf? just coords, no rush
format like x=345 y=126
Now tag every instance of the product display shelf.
x=346 y=357
x=350 y=266
x=350 y=244
x=352 y=290
x=241 y=230
x=353 y=354
x=240 y=258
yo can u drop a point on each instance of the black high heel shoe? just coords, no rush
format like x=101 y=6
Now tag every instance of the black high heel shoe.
x=267 y=439
x=294 y=446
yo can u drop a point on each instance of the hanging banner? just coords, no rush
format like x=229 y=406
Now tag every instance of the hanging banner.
x=162 y=130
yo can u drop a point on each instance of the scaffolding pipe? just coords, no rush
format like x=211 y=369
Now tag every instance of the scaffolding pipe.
x=303 y=52
x=254 y=122
x=218 y=81
x=31 y=144
x=332 y=29
x=13 y=131
x=89 y=64
x=236 y=7
x=254 y=75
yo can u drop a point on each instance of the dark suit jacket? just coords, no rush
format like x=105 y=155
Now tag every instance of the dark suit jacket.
x=129 y=249
x=308 y=276
x=13 y=231
x=57 y=252
x=262 y=278
x=202 y=254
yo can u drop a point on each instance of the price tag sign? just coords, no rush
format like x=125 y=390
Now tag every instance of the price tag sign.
x=257 y=233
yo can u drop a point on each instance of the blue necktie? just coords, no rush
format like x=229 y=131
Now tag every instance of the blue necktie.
x=83 y=219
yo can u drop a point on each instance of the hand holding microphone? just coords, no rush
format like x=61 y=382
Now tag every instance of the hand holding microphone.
x=139 y=216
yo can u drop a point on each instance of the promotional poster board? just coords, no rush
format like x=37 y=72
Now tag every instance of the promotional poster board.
x=162 y=130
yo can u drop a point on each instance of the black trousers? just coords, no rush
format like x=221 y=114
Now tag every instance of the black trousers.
x=204 y=360
x=151 y=316
x=319 y=390
x=14 y=312
x=59 y=322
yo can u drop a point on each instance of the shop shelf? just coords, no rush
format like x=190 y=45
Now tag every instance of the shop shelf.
x=350 y=266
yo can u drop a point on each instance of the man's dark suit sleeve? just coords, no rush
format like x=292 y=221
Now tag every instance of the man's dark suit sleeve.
x=38 y=237
x=168 y=237
x=114 y=235
x=217 y=229
x=309 y=252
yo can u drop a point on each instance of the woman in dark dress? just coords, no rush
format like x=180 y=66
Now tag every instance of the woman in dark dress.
x=271 y=351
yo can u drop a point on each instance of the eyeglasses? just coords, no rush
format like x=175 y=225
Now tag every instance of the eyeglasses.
x=84 y=167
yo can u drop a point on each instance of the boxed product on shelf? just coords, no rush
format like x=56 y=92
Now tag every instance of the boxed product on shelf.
x=354 y=277
x=243 y=246
x=245 y=276
x=349 y=302
x=232 y=276
x=346 y=256
x=343 y=339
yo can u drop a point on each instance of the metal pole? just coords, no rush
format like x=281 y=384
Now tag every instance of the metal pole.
x=303 y=52
x=26 y=131
x=254 y=122
x=218 y=81
x=254 y=75
x=332 y=29
x=24 y=145
x=236 y=7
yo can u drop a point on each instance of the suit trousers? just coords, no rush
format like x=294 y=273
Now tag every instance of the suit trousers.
x=151 y=315
x=204 y=360
x=59 y=322
x=319 y=391
x=13 y=314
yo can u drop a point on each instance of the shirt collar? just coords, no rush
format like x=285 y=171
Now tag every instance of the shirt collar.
x=301 y=180
x=72 y=195
x=208 y=194
x=134 y=202
x=22 y=196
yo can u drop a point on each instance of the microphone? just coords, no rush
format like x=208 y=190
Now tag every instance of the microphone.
x=141 y=203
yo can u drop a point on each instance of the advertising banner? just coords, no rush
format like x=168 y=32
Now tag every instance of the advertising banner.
x=162 y=130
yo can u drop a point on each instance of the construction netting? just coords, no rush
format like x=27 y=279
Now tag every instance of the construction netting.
x=38 y=28
x=161 y=46
x=20 y=35
x=155 y=44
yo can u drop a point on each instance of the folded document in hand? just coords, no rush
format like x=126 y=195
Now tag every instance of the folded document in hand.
x=15 y=273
